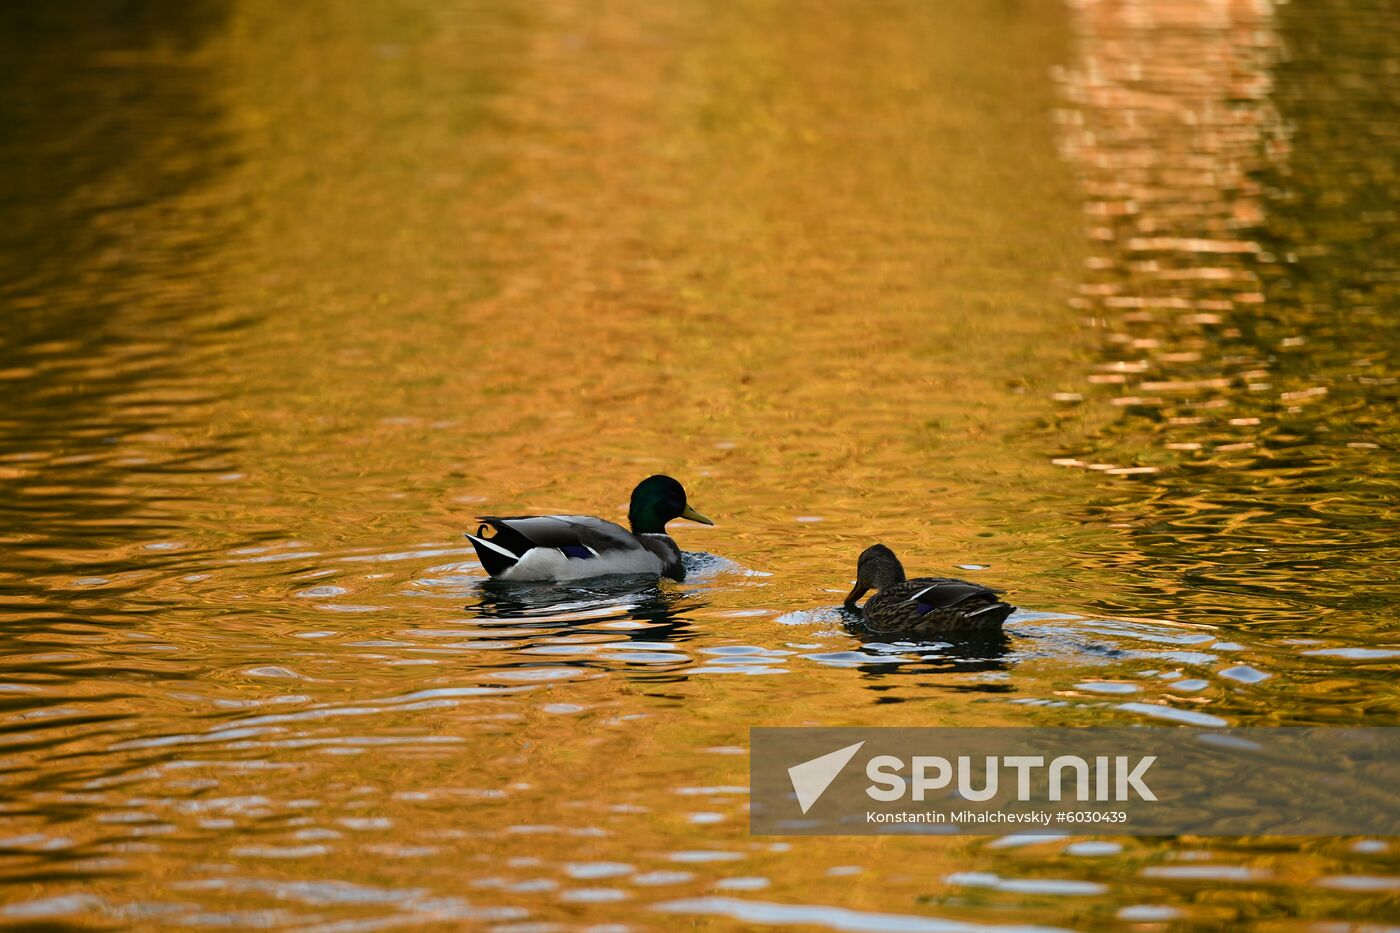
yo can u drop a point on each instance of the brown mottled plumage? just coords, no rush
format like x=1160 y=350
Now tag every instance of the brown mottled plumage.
x=924 y=605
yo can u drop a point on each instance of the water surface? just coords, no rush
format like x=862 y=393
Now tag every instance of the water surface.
x=1094 y=303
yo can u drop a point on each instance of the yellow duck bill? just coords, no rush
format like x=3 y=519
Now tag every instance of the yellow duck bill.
x=695 y=516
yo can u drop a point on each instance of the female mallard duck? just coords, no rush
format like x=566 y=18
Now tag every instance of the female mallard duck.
x=924 y=605
x=573 y=547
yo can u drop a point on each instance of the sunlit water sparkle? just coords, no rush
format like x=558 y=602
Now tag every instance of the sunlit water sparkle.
x=292 y=293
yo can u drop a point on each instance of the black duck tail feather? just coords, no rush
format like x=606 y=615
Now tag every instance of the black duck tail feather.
x=495 y=559
x=504 y=535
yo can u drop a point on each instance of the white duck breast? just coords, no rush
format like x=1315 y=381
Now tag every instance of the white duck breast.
x=547 y=563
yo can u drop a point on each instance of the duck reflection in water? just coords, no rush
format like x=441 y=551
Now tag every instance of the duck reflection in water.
x=592 y=602
x=965 y=653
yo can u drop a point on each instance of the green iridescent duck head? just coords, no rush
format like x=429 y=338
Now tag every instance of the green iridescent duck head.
x=656 y=501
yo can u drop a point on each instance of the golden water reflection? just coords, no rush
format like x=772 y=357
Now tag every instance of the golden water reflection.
x=293 y=292
x=1238 y=168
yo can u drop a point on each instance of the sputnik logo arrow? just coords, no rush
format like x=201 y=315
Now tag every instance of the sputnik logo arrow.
x=811 y=778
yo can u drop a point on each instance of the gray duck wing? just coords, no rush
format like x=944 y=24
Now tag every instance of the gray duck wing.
x=575 y=535
x=946 y=592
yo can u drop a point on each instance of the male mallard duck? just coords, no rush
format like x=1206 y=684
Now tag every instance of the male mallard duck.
x=924 y=605
x=573 y=547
